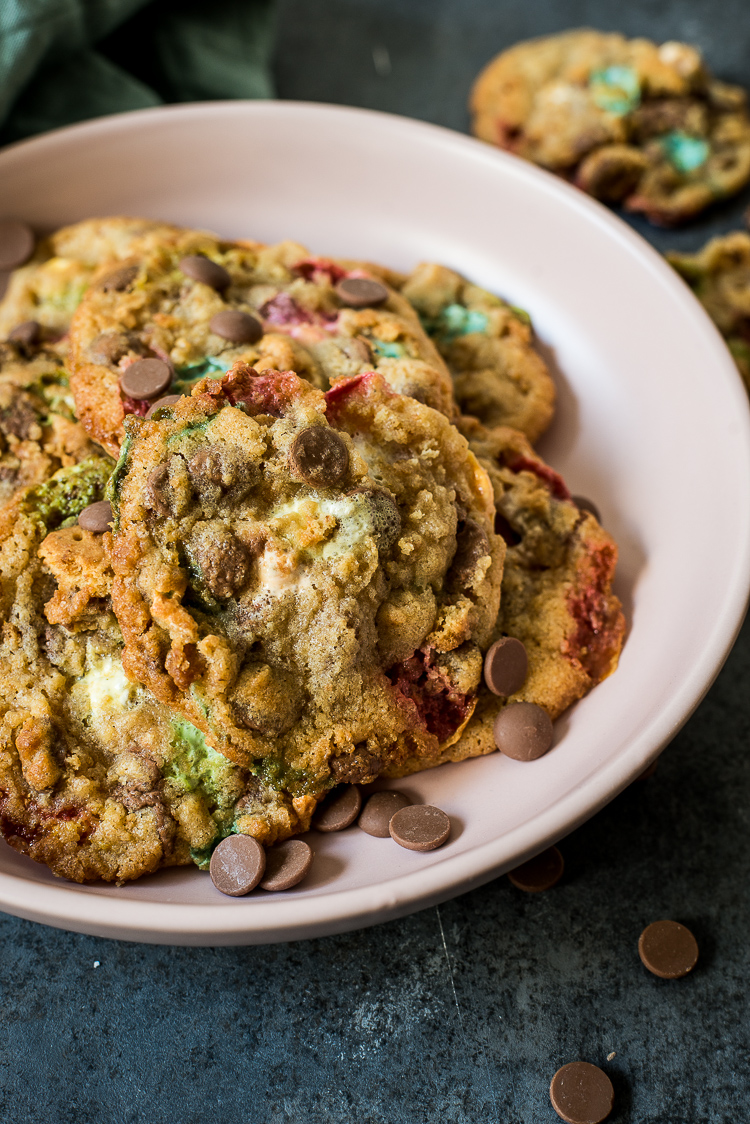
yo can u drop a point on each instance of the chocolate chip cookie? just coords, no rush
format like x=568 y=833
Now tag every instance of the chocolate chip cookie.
x=627 y=120
x=309 y=578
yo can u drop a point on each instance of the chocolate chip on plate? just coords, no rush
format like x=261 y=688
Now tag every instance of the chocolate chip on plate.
x=167 y=400
x=236 y=326
x=286 y=864
x=319 y=456
x=523 y=731
x=29 y=332
x=118 y=280
x=237 y=865
x=420 y=827
x=16 y=243
x=146 y=378
x=668 y=949
x=199 y=268
x=506 y=666
x=581 y=1093
x=380 y=810
x=339 y=809
x=584 y=504
x=97 y=517
x=540 y=873
x=361 y=292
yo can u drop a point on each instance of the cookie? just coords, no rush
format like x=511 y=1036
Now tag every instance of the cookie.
x=199 y=304
x=719 y=275
x=97 y=778
x=310 y=579
x=627 y=120
x=38 y=430
x=498 y=377
x=556 y=592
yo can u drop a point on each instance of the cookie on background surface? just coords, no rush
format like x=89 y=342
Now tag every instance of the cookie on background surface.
x=310 y=579
x=197 y=304
x=557 y=587
x=719 y=275
x=627 y=120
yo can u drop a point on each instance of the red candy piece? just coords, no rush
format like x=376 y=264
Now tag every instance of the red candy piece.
x=554 y=482
x=313 y=269
x=440 y=708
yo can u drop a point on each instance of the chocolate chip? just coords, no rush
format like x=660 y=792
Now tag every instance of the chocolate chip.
x=157 y=496
x=223 y=561
x=379 y=811
x=28 y=332
x=16 y=243
x=356 y=766
x=668 y=949
x=504 y=529
x=357 y=349
x=109 y=347
x=523 y=731
x=236 y=326
x=472 y=544
x=119 y=279
x=339 y=809
x=582 y=1093
x=168 y=400
x=199 y=268
x=540 y=873
x=584 y=504
x=237 y=865
x=286 y=864
x=97 y=517
x=386 y=517
x=146 y=378
x=506 y=666
x=361 y=292
x=420 y=827
x=319 y=456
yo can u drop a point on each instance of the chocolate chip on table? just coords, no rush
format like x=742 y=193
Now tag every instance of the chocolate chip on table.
x=97 y=517
x=286 y=864
x=581 y=1093
x=146 y=378
x=199 y=268
x=506 y=666
x=540 y=873
x=380 y=810
x=29 y=332
x=16 y=243
x=668 y=949
x=361 y=292
x=523 y=731
x=584 y=504
x=319 y=456
x=236 y=326
x=420 y=827
x=167 y=400
x=119 y=279
x=237 y=865
x=339 y=809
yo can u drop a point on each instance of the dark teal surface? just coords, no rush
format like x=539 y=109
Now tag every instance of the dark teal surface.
x=463 y=1013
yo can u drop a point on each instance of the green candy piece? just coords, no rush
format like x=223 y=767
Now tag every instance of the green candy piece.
x=192 y=373
x=63 y=497
x=615 y=89
x=388 y=350
x=685 y=153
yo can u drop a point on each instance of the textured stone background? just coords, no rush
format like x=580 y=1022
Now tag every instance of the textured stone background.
x=461 y=1013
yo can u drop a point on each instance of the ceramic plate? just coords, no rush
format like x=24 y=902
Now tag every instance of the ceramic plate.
x=652 y=424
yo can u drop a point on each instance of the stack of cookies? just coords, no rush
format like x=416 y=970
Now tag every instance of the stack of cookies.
x=269 y=523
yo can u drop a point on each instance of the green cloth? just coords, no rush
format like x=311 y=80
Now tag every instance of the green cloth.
x=68 y=60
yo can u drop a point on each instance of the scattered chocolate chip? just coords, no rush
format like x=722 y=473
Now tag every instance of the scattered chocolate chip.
x=582 y=1093
x=540 y=873
x=584 y=504
x=29 y=332
x=16 y=243
x=236 y=326
x=146 y=378
x=523 y=731
x=472 y=544
x=339 y=809
x=97 y=517
x=380 y=810
x=319 y=456
x=419 y=827
x=286 y=864
x=199 y=268
x=167 y=400
x=237 y=865
x=668 y=949
x=506 y=666
x=119 y=279
x=361 y=292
